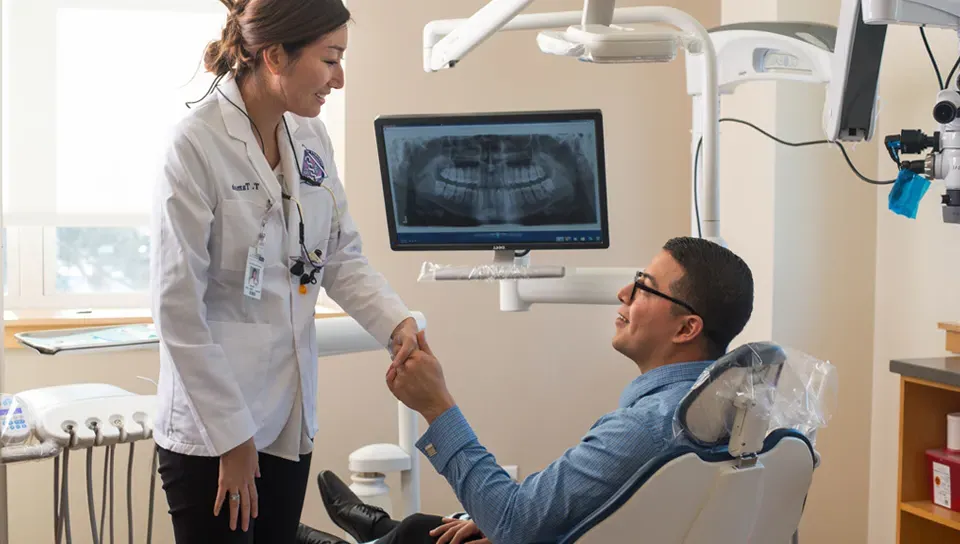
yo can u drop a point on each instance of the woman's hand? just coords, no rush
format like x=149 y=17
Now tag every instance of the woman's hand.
x=404 y=341
x=238 y=469
x=457 y=531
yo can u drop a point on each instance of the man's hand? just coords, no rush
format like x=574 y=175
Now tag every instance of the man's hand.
x=418 y=382
x=403 y=341
x=457 y=531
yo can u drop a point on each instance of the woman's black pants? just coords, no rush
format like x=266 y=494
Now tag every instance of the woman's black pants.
x=190 y=483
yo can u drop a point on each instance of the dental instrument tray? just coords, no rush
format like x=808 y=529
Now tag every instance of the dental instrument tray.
x=123 y=337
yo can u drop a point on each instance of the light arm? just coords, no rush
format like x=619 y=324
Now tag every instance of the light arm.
x=598 y=12
x=756 y=51
x=446 y=42
x=443 y=50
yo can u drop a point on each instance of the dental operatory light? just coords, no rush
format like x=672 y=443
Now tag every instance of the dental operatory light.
x=599 y=34
x=609 y=44
x=602 y=34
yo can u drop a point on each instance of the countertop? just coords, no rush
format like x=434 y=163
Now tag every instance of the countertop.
x=944 y=370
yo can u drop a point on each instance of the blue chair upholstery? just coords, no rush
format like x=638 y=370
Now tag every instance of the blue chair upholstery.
x=713 y=455
x=698 y=492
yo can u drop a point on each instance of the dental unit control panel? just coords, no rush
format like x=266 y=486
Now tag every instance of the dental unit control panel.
x=52 y=422
x=15 y=426
x=43 y=422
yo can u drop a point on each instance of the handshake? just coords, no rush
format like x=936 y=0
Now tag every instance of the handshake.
x=415 y=376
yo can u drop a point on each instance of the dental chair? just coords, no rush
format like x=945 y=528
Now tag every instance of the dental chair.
x=740 y=468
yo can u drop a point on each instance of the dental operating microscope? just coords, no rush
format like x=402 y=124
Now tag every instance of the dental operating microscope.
x=852 y=92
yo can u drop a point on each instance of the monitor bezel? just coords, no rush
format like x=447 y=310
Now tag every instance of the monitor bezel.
x=491 y=118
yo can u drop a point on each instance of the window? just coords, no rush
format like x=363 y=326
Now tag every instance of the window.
x=90 y=90
x=100 y=260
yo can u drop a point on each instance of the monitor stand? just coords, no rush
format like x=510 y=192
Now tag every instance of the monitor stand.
x=506 y=266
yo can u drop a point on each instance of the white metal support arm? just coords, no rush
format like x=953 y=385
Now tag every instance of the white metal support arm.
x=446 y=42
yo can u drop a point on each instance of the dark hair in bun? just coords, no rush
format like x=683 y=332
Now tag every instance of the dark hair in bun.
x=253 y=25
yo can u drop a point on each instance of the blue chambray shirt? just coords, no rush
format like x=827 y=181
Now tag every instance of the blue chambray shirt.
x=548 y=504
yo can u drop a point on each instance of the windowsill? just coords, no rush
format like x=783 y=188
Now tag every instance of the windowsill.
x=19 y=321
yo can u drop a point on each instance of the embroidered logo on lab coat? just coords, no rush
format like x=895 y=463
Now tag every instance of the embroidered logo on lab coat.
x=313 y=168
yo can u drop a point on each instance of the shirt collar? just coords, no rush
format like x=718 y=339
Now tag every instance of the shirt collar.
x=234 y=112
x=661 y=376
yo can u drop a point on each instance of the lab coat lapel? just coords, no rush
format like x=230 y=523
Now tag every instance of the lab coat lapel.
x=291 y=175
x=239 y=127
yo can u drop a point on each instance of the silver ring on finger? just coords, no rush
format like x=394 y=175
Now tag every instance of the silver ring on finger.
x=235 y=497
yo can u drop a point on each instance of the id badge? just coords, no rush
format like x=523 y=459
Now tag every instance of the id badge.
x=253 y=282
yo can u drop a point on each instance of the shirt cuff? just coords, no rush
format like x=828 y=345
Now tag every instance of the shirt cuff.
x=390 y=319
x=446 y=436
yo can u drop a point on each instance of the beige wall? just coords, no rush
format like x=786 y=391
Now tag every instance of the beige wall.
x=917 y=261
x=813 y=255
x=825 y=251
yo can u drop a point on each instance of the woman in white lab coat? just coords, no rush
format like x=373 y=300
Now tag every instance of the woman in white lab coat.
x=250 y=221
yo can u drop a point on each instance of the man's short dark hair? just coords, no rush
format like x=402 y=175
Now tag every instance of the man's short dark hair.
x=719 y=286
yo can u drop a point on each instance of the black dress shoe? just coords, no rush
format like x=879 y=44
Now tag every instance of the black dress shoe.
x=347 y=510
x=309 y=535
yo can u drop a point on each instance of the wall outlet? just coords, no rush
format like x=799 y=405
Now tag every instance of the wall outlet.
x=513 y=471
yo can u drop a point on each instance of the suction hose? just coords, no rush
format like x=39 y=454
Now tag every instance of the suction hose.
x=153 y=485
x=130 y=494
x=56 y=497
x=91 y=509
x=62 y=527
x=103 y=506
x=60 y=491
x=113 y=455
x=61 y=495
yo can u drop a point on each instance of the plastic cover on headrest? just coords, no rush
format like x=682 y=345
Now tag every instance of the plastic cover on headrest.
x=790 y=390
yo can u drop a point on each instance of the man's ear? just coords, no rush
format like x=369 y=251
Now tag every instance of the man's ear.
x=275 y=59
x=690 y=328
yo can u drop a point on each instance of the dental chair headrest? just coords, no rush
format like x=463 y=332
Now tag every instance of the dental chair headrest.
x=706 y=414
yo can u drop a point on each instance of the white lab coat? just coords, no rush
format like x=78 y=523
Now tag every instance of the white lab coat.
x=233 y=367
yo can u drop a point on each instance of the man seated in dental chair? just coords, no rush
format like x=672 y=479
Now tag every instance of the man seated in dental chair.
x=678 y=316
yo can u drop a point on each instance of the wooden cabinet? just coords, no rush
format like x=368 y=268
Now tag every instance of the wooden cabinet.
x=929 y=390
x=924 y=406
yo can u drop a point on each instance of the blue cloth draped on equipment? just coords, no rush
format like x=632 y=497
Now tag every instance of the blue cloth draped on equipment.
x=907 y=191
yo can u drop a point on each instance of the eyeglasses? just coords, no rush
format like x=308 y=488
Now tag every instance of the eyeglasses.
x=638 y=284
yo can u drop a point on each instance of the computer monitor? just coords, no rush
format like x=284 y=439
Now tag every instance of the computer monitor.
x=851 y=105
x=531 y=180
